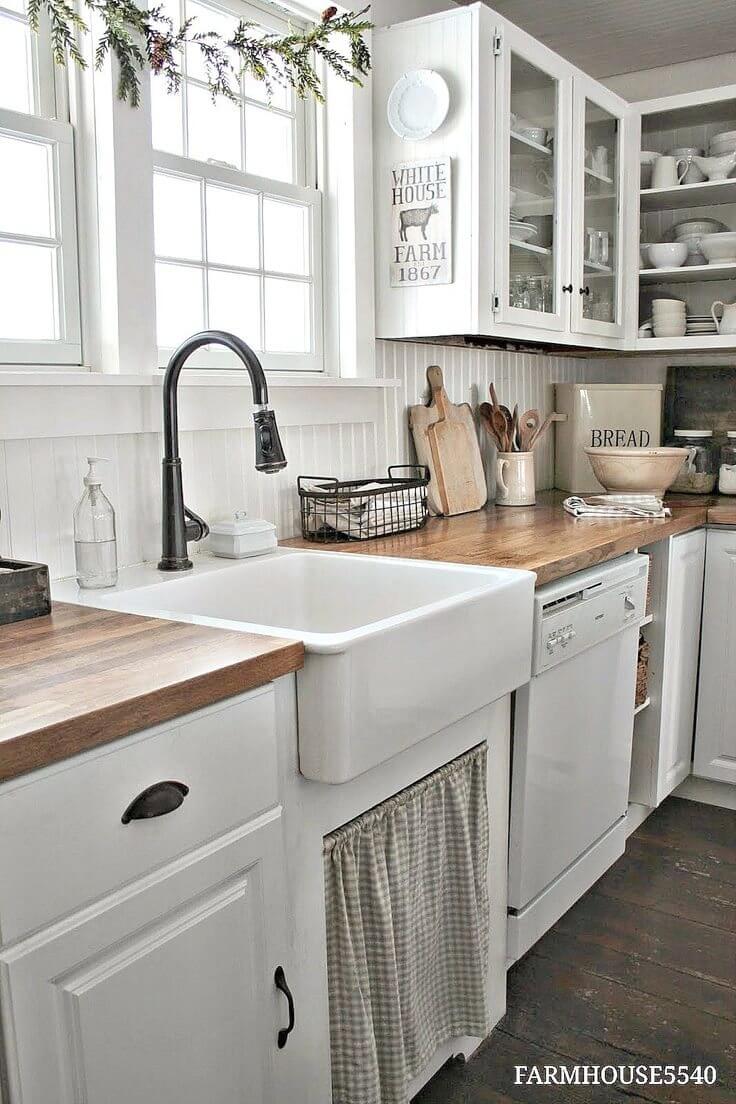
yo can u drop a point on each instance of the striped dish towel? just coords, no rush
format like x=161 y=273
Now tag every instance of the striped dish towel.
x=617 y=506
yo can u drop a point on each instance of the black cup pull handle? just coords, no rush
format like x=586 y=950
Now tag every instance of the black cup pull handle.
x=155 y=801
x=279 y=980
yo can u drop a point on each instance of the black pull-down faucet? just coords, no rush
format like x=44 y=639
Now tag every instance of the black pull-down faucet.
x=180 y=524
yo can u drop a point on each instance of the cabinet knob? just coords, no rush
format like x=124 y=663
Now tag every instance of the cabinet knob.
x=567 y=287
x=279 y=980
x=585 y=290
x=155 y=801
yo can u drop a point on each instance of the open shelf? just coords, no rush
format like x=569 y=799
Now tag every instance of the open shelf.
x=640 y=708
x=516 y=137
x=707 y=194
x=530 y=248
x=688 y=274
x=709 y=343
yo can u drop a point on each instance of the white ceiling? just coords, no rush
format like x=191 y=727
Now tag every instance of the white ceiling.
x=607 y=37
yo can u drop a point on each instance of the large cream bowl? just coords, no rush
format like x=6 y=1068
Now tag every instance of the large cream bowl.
x=636 y=470
x=719 y=248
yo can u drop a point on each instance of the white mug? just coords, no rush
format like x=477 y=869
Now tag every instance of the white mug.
x=666 y=172
x=515 y=479
x=726 y=324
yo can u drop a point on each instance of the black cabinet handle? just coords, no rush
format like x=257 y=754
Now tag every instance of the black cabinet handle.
x=279 y=980
x=157 y=800
x=585 y=290
x=567 y=287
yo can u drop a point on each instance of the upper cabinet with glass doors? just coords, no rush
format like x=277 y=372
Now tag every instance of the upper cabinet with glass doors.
x=537 y=159
x=598 y=210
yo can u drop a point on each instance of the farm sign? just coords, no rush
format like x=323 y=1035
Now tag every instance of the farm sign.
x=421 y=223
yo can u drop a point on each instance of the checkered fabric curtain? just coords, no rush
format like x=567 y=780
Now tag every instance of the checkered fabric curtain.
x=407 y=931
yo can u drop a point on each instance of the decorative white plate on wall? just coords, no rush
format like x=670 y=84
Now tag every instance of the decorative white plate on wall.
x=418 y=104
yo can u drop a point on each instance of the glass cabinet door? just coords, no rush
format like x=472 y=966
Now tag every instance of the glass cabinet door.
x=535 y=131
x=598 y=300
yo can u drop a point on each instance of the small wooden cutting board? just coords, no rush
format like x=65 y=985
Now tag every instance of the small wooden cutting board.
x=446 y=442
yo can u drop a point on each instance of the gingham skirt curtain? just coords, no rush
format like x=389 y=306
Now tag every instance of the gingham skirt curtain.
x=407 y=931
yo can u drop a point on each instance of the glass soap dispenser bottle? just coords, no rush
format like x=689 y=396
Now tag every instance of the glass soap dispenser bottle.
x=95 y=547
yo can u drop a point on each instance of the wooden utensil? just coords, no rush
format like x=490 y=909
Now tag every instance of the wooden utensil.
x=486 y=417
x=446 y=441
x=542 y=430
x=528 y=425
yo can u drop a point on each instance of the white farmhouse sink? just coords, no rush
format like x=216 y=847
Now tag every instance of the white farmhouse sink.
x=395 y=649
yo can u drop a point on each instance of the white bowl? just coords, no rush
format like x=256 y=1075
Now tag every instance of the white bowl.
x=529 y=130
x=522 y=231
x=667 y=254
x=724 y=142
x=684 y=229
x=636 y=470
x=719 y=248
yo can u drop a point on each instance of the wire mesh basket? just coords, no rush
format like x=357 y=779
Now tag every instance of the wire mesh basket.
x=362 y=509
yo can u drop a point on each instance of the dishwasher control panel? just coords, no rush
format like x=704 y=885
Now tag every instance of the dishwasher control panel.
x=578 y=612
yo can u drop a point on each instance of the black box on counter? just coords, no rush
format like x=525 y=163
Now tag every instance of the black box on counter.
x=24 y=591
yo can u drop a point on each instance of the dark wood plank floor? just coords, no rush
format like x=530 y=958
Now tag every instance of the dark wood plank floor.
x=641 y=970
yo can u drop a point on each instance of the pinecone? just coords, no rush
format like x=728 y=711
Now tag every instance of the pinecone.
x=159 y=53
x=328 y=14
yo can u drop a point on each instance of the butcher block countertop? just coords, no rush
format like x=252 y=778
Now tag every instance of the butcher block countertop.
x=82 y=677
x=542 y=538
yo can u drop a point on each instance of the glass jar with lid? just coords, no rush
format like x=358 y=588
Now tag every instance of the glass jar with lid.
x=727 y=470
x=699 y=473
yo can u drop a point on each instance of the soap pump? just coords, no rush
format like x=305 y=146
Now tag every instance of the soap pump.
x=95 y=547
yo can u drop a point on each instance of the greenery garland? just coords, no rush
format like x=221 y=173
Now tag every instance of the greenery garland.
x=140 y=38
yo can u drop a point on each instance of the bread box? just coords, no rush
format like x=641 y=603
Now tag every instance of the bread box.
x=602 y=415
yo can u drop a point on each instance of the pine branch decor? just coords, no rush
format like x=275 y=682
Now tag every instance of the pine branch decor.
x=140 y=39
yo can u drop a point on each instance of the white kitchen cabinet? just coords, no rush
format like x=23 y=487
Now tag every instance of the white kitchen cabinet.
x=505 y=283
x=163 y=991
x=715 y=733
x=599 y=255
x=663 y=732
x=140 y=941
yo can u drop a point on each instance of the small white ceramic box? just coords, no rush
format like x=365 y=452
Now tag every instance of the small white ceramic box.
x=602 y=415
x=240 y=536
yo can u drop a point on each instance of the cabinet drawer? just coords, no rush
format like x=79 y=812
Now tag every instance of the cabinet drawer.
x=62 y=841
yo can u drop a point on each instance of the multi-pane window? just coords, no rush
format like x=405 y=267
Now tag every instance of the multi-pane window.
x=39 y=296
x=237 y=231
x=18 y=78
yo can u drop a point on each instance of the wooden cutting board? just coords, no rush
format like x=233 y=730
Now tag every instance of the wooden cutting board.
x=446 y=442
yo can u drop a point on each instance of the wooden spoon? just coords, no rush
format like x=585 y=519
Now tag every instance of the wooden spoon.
x=529 y=423
x=541 y=430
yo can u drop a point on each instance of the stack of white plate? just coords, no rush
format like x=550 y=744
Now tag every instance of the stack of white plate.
x=725 y=142
x=700 y=324
x=521 y=231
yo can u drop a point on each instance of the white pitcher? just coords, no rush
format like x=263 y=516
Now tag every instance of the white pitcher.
x=515 y=479
x=668 y=173
x=726 y=324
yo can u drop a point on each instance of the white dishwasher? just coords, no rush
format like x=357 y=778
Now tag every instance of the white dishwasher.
x=573 y=727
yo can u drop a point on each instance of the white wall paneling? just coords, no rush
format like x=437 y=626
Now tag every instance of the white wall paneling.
x=47 y=429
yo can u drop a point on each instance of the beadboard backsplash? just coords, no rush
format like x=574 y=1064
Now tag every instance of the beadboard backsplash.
x=41 y=478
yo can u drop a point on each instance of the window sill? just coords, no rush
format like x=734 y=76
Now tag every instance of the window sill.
x=32 y=377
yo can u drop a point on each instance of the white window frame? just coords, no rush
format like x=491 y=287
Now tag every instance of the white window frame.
x=305 y=166
x=213 y=356
x=67 y=348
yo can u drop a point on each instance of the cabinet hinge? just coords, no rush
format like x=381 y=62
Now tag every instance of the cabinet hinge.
x=497 y=43
x=495 y=303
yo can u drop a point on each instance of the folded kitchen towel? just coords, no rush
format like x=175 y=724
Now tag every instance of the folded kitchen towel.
x=616 y=506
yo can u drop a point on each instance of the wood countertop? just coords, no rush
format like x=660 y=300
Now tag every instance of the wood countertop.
x=82 y=677
x=542 y=538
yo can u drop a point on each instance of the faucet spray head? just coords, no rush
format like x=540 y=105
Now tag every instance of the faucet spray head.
x=269 y=450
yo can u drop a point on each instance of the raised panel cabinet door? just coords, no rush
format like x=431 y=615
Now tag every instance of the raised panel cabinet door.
x=681 y=651
x=715 y=733
x=163 y=992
